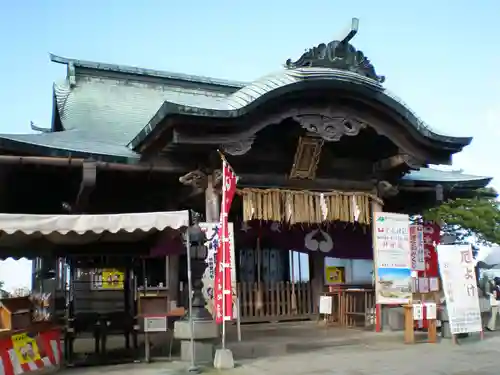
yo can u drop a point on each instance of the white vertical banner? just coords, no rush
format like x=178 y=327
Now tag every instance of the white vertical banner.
x=392 y=247
x=456 y=265
x=417 y=247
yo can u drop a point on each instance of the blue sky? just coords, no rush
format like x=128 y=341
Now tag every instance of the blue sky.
x=440 y=57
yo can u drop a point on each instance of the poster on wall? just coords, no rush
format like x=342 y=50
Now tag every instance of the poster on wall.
x=108 y=279
x=334 y=275
x=211 y=231
x=417 y=247
x=26 y=348
x=392 y=258
x=456 y=265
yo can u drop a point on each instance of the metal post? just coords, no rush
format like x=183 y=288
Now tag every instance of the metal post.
x=223 y=249
x=192 y=367
x=238 y=318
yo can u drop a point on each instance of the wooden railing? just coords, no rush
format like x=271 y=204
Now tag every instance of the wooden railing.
x=275 y=302
x=352 y=307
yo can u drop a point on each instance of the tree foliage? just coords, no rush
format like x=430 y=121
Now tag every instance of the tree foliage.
x=478 y=216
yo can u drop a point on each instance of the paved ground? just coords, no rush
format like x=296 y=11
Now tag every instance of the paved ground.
x=386 y=357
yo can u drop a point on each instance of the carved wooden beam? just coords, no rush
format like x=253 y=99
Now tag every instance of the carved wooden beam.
x=167 y=164
x=331 y=123
x=87 y=184
x=321 y=184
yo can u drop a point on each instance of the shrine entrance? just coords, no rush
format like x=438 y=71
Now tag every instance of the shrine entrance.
x=281 y=267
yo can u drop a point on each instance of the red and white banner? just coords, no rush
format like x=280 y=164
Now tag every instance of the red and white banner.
x=432 y=235
x=23 y=353
x=417 y=247
x=223 y=296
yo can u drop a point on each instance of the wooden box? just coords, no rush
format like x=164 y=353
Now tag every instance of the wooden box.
x=15 y=313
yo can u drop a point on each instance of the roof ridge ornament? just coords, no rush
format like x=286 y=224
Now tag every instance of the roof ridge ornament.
x=338 y=54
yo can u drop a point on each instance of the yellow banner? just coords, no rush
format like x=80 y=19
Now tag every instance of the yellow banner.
x=112 y=279
x=25 y=347
x=334 y=275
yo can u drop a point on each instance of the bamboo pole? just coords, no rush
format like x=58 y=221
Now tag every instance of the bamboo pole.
x=294 y=300
x=259 y=303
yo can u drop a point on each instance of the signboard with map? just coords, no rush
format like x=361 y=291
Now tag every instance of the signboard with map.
x=392 y=258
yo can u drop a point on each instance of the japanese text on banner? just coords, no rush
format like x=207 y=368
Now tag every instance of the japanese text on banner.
x=223 y=296
x=456 y=265
x=393 y=260
x=417 y=247
x=431 y=237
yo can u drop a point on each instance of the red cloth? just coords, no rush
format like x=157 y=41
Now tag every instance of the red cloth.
x=223 y=295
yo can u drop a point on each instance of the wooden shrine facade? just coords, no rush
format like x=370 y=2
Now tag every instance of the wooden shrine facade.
x=319 y=141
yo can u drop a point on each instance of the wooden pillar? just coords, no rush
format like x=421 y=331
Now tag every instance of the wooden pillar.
x=212 y=206
x=173 y=280
x=376 y=207
x=318 y=277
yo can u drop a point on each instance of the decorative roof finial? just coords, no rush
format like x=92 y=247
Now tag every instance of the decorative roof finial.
x=339 y=54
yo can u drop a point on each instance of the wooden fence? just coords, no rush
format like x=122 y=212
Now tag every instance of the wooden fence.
x=276 y=302
x=352 y=307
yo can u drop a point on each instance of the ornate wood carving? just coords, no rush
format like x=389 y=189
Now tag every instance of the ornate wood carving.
x=307 y=156
x=386 y=189
x=399 y=138
x=337 y=55
x=397 y=160
x=330 y=127
x=413 y=162
x=239 y=147
x=196 y=179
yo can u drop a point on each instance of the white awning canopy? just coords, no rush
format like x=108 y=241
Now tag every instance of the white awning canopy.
x=19 y=229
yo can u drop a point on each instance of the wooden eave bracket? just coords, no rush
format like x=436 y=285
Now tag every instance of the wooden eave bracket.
x=396 y=161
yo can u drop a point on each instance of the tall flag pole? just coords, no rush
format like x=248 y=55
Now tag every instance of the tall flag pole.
x=223 y=295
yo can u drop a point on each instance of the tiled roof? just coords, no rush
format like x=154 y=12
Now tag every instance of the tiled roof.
x=116 y=109
x=101 y=113
x=100 y=116
x=149 y=73
x=242 y=101
x=73 y=143
x=440 y=176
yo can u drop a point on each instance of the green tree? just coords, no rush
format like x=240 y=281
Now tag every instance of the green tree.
x=477 y=216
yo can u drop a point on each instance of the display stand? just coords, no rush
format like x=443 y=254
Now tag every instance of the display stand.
x=422 y=296
x=409 y=331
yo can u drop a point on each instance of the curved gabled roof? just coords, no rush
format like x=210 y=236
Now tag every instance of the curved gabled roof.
x=247 y=98
x=106 y=106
